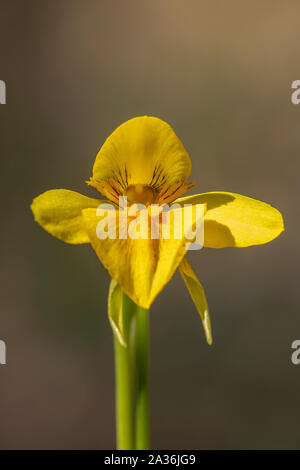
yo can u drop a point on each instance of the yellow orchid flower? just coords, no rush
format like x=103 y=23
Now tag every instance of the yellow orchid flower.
x=144 y=160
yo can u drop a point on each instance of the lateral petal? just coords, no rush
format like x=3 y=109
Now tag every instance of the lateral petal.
x=58 y=211
x=235 y=220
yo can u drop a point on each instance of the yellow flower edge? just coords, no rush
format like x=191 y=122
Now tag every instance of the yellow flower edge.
x=145 y=156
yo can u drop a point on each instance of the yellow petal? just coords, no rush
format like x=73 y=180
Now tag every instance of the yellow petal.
x=198 y=295
x=142 y=267
x=143 y=150
x=235 y=220
x=59 y=212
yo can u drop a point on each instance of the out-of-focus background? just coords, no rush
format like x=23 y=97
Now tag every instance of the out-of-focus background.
x=220 y=73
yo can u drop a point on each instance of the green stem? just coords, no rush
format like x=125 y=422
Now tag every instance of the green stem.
x=142 y=380
x=124 y=380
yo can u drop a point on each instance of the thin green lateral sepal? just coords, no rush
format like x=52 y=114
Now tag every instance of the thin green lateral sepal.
x=198 y=295
x=115 y=312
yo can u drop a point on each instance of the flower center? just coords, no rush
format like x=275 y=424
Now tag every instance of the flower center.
x=140 y=194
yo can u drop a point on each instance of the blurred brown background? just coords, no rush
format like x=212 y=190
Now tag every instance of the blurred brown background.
x=220 y=73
